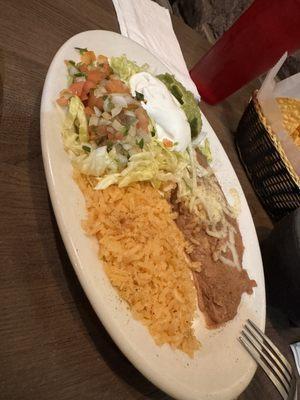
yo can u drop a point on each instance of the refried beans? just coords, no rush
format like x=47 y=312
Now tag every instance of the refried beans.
x=219 y=286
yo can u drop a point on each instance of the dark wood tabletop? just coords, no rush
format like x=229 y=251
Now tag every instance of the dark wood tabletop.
x=52 y=345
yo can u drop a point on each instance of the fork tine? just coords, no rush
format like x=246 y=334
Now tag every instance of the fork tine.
x=256 y=356
x=282 y=368
x=272 y=364
x=273 y=347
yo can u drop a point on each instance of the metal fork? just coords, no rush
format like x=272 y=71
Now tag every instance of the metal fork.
x=267 y=355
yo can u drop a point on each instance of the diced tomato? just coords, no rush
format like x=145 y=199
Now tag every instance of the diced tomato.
x=95 y=101
x=76 y=88
x=104 y=65
x=167 y=143
x=83 y=68
x=88 y=111
x=62 y=101
x=116 y=86
x=95 y=75
x=88 y=85
x=88 y=57
x=142 y=118
x=84 y=97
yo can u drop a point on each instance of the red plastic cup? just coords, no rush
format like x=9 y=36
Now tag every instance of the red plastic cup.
x=249 y=48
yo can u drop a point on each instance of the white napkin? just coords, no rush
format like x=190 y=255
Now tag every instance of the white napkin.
x=150 y=25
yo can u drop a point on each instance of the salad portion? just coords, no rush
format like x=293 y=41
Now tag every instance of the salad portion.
x=124 y=124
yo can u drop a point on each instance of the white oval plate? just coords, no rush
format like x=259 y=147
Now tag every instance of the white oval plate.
x=221 y=369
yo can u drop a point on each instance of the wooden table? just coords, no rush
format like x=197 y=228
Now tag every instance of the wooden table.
x=52 y=345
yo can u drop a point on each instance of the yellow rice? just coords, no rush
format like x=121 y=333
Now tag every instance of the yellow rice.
x=143 y=253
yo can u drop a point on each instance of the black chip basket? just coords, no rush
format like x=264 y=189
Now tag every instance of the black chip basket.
x=273 y=177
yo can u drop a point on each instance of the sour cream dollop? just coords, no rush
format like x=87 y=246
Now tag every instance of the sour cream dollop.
x=163 y=108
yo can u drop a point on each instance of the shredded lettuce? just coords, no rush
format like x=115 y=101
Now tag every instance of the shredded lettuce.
x=125 y=68
x=95 y=163
x=75 y=128
x=76 y=109
x=155 y=164
x=76 y=119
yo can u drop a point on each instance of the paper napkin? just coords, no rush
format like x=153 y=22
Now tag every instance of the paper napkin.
x=150 y=25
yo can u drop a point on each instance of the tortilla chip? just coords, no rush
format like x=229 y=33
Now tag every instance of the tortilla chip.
x=296 y=136
x=290 y=111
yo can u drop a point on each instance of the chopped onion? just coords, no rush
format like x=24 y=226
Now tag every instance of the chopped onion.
x=94 y=120
x=116 y=125
x=132 y=131
x=129 y=113
x=97 y=111
x=107 y=105
x=119 y=100
x=115 y=111
x=80 y=79
x=72 y=70
x=104 y=122
x=122 y=99
x=106 y=115
x=100 y=91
